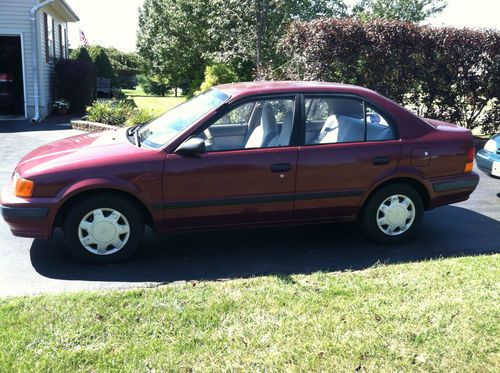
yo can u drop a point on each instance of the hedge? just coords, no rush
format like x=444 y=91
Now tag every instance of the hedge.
x=445 y=73
x=75 y=82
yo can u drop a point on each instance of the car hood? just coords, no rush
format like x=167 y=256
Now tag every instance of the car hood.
x=80 y=150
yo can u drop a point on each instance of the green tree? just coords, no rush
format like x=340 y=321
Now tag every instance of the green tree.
x=218 y=74
x=403 y=10
x=102 y=63
x=126 y=66
x=246 y=32
x=172 y=38
x=81 y=54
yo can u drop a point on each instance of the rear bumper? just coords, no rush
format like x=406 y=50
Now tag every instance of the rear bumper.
x=32 y=217
x=452 y=189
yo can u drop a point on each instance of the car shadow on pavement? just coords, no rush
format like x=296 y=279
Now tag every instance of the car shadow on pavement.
x=445 y=232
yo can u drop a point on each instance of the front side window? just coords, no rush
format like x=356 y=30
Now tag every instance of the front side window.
x=263 y=123
x=161 y=131
x=331 y=120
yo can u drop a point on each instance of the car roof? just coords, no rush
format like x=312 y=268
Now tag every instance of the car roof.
x=236 y=90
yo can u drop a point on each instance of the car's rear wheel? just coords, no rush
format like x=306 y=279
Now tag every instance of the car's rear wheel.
x=103 y=229
x=392 y=214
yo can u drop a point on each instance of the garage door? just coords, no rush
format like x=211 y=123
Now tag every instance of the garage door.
x=11 y=76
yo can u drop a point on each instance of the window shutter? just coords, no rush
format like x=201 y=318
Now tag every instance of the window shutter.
x=53 y=39
x=46 y=27
x=61 y=51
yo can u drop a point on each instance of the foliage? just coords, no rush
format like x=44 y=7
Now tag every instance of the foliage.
x=403 y=10
x=431 y=316
x=246 y=32
x=61 y=104
x=154 y=85
x=125 y=66
x=103 y=64
x=117 y=113
x=81 y=54
x=140 y=116
x=75 y=82
x=172 y=39
x=218 y=74
x=446 y=73
x=177 y=39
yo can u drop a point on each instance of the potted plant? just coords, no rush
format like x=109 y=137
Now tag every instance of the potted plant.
x=61 y=106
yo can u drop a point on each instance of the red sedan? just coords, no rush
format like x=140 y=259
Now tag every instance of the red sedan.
x=246 y=154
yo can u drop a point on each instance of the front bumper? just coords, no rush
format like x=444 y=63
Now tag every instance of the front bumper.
x=451 y=189
x=33 y=217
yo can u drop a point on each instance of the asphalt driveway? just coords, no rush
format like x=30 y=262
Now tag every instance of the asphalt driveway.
x=34 y=266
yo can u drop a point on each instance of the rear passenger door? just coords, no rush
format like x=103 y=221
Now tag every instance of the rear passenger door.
x=348 y=145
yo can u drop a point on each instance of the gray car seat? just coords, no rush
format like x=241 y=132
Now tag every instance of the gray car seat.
x=265 y=130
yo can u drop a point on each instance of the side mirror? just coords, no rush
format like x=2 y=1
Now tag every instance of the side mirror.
x=191 y=146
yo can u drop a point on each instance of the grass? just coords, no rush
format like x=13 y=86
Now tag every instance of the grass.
x=156 y=104
x=439 y=315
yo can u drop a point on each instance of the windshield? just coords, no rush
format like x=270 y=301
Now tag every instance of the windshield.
x=161 y=131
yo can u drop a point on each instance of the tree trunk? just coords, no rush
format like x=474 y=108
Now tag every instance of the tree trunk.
x=175 y=91
x=259 y=28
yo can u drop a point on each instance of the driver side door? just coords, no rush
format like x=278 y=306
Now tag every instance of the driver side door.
x=246 y=175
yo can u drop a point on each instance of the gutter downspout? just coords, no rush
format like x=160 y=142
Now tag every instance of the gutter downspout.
x=34 y=36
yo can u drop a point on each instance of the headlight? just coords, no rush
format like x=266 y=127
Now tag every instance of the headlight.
x=490 y=146
x=22 y=187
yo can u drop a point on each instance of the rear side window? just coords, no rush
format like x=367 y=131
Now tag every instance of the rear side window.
x=377 y=126
x=336 y=119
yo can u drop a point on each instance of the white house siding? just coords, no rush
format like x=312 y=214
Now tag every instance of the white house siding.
x=15 y=20
x=46 y=69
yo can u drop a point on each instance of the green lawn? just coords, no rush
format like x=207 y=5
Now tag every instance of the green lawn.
x=439 y=315
x=157 y=105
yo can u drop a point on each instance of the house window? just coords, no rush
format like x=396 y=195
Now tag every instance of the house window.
x=50 y=49
x=65 y=42
x=62 y=42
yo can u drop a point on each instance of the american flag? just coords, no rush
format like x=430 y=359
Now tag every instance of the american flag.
x=83 y=39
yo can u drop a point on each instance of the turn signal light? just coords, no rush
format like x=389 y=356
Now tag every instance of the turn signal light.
x=470 y=161
x=23 y=187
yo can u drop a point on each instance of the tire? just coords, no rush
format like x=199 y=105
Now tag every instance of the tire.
x=402 y=214
x=109 y=236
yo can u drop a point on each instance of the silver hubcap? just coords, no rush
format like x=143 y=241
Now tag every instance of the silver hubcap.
x=395 y=215
x=104 y=231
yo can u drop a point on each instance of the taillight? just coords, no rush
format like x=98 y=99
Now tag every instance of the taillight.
x=470 y=160
x=22 y=187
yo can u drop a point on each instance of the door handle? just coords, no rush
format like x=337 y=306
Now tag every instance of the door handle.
x=379 y=161
x=281 y=167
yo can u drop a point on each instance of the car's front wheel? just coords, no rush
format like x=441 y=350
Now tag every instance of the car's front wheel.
x=392 y=214
x=103 y=229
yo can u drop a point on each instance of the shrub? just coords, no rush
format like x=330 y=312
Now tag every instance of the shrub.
x=103 y=64
x=81 y=54
x=139 y=116
x=155 y=85
x=117 y=113
x=75 y=82
x=218 y=74
x=446 y=73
